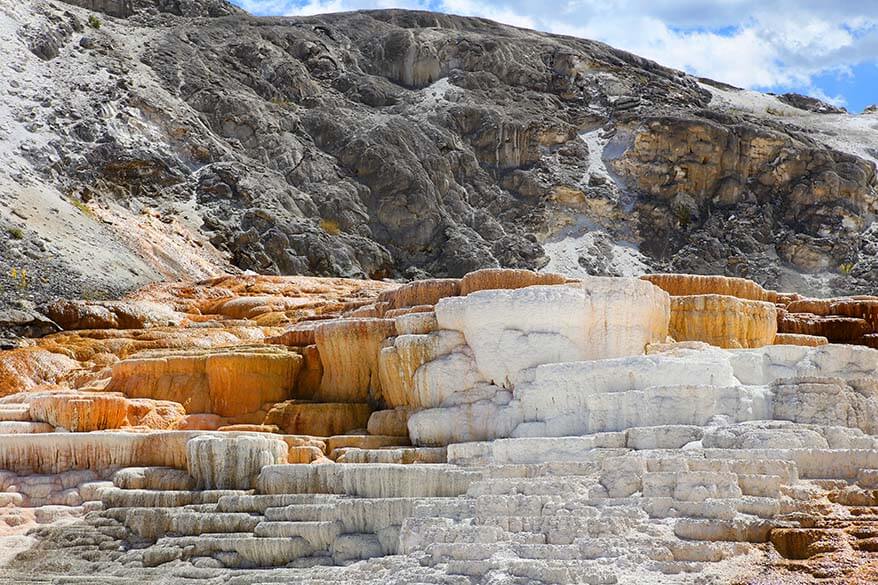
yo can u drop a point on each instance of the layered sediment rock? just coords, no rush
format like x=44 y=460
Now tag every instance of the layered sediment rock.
x=835 y=329
x=111 y=315
x=421 y=292
x=56 y=453
x=23 y=369
x=799 y=339
x=500 y=278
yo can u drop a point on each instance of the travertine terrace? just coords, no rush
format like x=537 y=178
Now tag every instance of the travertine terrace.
x=507 y=427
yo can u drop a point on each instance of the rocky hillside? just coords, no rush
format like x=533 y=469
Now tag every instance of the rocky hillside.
x=151 y=139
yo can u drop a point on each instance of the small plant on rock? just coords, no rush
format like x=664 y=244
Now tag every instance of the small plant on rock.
x=846 y=267
x=15 y=233
x=19 y=277
x=94 y=21
x=330 y=226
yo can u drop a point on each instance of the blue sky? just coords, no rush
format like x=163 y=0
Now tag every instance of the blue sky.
x=824 y=48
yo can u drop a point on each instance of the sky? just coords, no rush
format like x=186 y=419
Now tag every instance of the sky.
x=823 y=48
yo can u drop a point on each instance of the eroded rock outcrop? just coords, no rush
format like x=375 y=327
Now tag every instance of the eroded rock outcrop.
x=421 y=292
x=23 y=369
x=498 y=278
x=322 y=419
x=111 y=315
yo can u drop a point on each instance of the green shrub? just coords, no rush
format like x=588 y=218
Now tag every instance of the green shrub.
x=94 y=21
x=15 y=233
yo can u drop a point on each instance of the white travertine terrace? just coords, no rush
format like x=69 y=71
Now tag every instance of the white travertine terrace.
x=545 y=434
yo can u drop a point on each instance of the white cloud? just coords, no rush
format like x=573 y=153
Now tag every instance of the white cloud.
x=749 y=43
x=816 y=92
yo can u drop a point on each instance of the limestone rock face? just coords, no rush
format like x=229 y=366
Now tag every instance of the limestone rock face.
x=227 y=382
x=799 y=339
x=22 y=369
x=511 y=330
x=232 y=463
x=311 y=373
x=421 y=292
x=546 y=433
x=835 y=329
x=55 y=452
x=349 y=351
x=494 y=278
x=692 y=284
x=399 y=364
x=111 y=315
x=300 y=335
x=722 y=320
x=415 y=323
x=389 y=422
x=80 y=412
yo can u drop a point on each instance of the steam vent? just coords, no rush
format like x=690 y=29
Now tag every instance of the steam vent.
x=506 y=427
